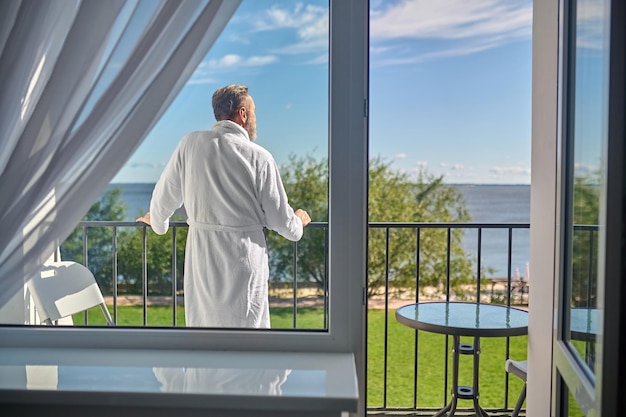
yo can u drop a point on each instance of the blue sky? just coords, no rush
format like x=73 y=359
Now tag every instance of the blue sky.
x=450 y=86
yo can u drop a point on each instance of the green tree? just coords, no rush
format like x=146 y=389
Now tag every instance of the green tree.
x=306 y=182
x=99 y=242
x=585 y=216
x=396 y=196
x=158 y=260
x=393 y=197
x=129 y=246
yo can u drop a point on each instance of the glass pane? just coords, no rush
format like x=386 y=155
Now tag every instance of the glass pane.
x=279 y=50
x=573 y=409
x=449 y=143
x=587 y=173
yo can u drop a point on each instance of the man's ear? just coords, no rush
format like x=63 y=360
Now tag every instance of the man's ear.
x=243 y=114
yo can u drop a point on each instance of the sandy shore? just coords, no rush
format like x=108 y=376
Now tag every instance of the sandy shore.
x=307 y=297
x=373 y=303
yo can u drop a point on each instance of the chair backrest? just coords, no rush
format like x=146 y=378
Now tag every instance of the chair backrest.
x=65 y=288
x=517 y=368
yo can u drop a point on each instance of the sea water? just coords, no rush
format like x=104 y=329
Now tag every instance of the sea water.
x=485 y=203
x=507 y=204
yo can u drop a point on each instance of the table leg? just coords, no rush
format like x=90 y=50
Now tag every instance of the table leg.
x=451 y=407
x=463 y=392
x=479 y=410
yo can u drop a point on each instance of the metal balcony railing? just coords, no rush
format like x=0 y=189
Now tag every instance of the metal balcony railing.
x=111 y=253
x=478 y=289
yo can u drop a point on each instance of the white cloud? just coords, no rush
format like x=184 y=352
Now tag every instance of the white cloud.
x=374 y=50
x=238 y=38
x=585 y=169
x=462 y=27
x=510 y=171
x=258 y=61
x=592 y=24
x=288 y=106
x=310 y=20
x=310 y=23
x=202 y=80
x=480 y=174
x=149 y=165
x=322 y=59
x=453 y=167
x=204 y=74
x=418 y=167
x=444 y=53
x=452 y=19
x=400 y=156
x=233 y=60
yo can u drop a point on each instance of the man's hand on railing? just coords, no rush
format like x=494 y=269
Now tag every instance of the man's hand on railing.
x=145 y=219
x=304 y=216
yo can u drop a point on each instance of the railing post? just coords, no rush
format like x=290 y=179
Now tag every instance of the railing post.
x=478 y=262
x=325 y=292
x=417 y=299
x=86 y=263
x=386 y=347
x=448 y=242
x=174 y=283
x=114 y=272
x=144 y=276
x=295 y=285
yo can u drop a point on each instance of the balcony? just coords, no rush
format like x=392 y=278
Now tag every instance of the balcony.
x=409 y=372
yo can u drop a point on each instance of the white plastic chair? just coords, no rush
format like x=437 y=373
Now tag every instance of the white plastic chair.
x=519 y=369
x=65 y=288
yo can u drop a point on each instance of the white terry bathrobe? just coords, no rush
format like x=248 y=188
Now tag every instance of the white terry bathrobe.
x=231 y=190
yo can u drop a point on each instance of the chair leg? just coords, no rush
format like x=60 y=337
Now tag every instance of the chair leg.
x=107 y=315
x=520 y=402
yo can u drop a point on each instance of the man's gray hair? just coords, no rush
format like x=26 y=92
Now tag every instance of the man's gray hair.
x=227 y=100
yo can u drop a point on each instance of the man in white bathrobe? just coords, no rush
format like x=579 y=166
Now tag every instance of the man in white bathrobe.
x=231 y=190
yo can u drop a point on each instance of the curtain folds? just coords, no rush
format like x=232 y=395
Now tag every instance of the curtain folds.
x=82 y=83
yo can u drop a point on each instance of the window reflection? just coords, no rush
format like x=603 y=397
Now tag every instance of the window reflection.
x=586 y=181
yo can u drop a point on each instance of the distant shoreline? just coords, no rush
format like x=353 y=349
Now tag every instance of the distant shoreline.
x=485 y=203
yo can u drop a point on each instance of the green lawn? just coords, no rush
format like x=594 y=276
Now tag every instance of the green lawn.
x=162 y=316
x=400 y=356
x=431 y=366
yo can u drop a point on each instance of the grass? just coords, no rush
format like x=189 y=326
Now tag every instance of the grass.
x=399 y=376
x=162 y=316
x=432 y=348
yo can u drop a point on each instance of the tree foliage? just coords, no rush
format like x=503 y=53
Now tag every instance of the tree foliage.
x=585 y=217
x=397 y=197
x=159 y=260
x=129 y=247
x=393 y=197
x=306 y=183
x=99 y=240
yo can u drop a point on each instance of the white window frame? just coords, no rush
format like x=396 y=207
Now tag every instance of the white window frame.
x=543 y=204
x=348 y=66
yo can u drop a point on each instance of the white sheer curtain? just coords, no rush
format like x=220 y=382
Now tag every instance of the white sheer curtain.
x=81 y=84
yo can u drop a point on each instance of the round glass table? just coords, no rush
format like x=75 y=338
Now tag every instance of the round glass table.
x=464 y=319
x=584 y=324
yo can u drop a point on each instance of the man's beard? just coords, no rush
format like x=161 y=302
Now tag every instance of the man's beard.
x=251 y=129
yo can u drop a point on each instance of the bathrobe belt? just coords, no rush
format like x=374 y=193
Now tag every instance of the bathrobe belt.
x=223 y=228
